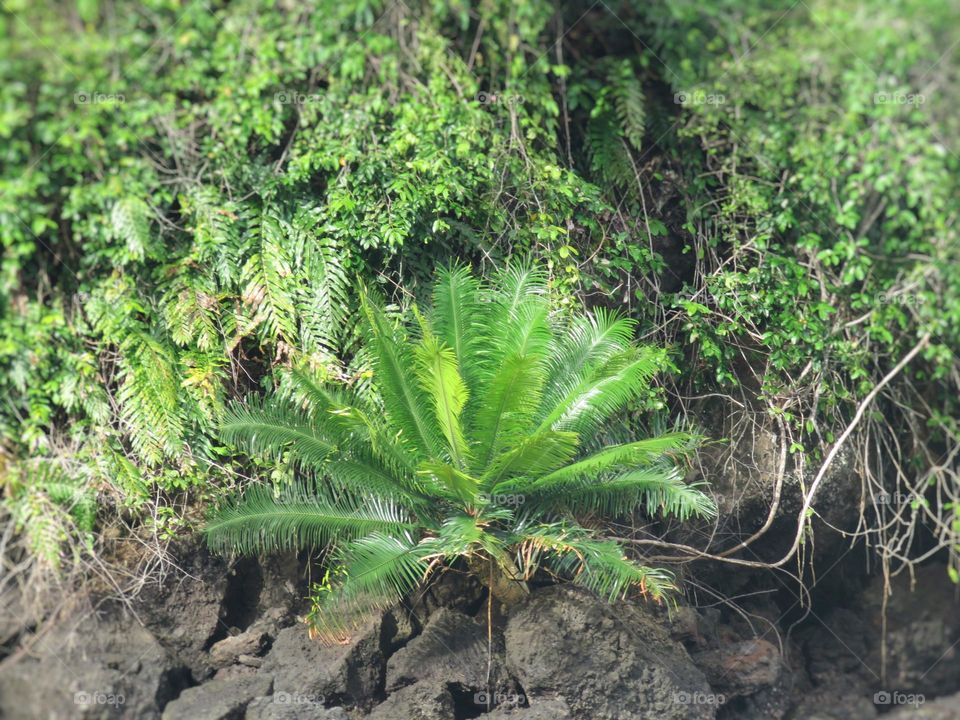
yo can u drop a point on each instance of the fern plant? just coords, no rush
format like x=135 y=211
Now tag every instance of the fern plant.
x=476 y=440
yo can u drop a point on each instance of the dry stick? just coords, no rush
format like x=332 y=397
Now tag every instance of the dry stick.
x=828 y=461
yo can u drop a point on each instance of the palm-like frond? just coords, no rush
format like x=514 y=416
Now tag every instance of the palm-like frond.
x=272 y=427
x=621 y=379
x=599 y=565
x=404 y=400
x=641 y=452
x=587 y=343
x=376 y=572
x=262 y=521
x=509 y=405
x=457 y=311
x=657 y=489
x=533 y=456
x=439 y=376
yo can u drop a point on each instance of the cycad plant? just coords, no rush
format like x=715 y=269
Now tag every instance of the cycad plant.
x=477 y=439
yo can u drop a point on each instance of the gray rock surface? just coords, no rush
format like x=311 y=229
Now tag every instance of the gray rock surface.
x=740 y=668
x=351 y=673
x=452 y=648
x=606 y=662
x=105 y=666
x=421 y=701
x=223 y=699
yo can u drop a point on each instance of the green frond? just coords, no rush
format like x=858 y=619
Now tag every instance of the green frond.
x=457 y=316
x=270 y=292
x=365 y=474
x=641 y=452
x=514 y=287
x=439 y=376
x=456 y=483
x=149 y=396
x=599 y=565
x=404 y=400
x=130 y=219
x=459 y=535
x=324 y=300
x=298 y=518
x=273 y=427
x=190 y=310
x=333 y=409
x=660 y=490
x=629 y=102
x=508 y=408
x=532 y=457
x=376 y=572
x=621 y=379
x=217 y=225
x=587 y=343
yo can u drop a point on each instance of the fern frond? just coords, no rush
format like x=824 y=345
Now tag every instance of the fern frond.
x=148 y=396
x=270 y=289
x=130 y=219
x=323 y=302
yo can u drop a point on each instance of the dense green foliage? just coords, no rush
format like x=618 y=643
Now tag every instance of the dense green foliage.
x=189 y=191
x=479 y=436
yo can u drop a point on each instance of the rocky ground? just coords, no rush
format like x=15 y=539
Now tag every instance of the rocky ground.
x=222 y=641
x=225 y=644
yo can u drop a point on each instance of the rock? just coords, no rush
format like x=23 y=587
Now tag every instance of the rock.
x=284 y=706
x=101 y=666
x=250 y=661
x=224 y=699
x=606 y=663
x=452 y=648
x=740 y=668
x=227 y=651
x=398 y=628
x=836 y=701
x=921 y=708
x=922 y=637
x=185 y=613
x=545 y=709
x=421 y=701
x=351 y=673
